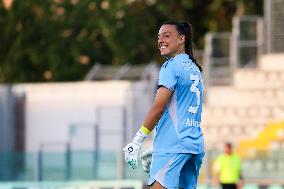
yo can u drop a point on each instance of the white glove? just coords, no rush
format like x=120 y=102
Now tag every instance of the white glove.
x=131 y=150
x=146 y=158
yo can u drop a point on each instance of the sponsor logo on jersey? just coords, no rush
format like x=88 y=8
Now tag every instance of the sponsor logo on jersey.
x=192 y=122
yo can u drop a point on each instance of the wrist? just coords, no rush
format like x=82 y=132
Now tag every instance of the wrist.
x=145 y=130
x=141 y=135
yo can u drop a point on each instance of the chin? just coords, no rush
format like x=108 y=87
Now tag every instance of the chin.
x=164 y=54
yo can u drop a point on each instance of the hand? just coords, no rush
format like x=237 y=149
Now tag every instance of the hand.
x=132 y=149
x=146 y=158
x=131 y=152
x=240 y=184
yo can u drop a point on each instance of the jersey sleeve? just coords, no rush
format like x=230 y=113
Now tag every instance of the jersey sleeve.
x=167 y=76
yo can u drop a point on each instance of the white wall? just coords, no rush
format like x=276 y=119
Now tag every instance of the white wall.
x=272 y=62
x=52 y=108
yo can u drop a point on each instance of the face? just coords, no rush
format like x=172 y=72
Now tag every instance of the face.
x=170 y=42
x=228 y=149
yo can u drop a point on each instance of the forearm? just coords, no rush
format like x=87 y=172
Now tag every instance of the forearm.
x=156 y=111
x=153 y=117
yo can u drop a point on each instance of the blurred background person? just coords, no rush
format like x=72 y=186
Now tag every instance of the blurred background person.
x=227 y=169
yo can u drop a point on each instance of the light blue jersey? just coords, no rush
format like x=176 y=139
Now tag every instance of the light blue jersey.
x=178 y=130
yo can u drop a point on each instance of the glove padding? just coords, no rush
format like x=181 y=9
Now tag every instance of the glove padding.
x=146 y=158
x=131 y=152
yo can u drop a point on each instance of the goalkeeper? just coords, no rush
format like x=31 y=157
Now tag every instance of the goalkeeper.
x=178 y=147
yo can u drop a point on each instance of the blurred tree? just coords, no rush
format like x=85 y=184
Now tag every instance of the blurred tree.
x=59 y=40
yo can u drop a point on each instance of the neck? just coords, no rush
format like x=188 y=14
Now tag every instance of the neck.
x=180 y=51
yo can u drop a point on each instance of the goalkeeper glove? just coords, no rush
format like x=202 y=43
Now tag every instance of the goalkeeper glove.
x=146 y=158
x=131 y=150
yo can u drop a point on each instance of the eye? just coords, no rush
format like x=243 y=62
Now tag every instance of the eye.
x=166 y=35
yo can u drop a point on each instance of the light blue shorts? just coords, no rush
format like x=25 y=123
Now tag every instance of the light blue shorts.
x=175 y=170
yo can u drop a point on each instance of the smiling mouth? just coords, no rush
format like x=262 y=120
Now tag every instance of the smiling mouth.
x=163 y=47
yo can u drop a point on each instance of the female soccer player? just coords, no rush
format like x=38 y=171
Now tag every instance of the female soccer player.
x=178 y=147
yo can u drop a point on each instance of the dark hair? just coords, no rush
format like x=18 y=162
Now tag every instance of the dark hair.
x=185 y=29
x=228 y=145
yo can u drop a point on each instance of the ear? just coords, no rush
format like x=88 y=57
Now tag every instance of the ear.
x=181 y=39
